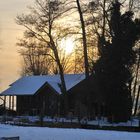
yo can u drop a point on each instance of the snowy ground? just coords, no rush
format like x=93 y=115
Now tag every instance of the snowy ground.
x=102 y=122
x=38 y=133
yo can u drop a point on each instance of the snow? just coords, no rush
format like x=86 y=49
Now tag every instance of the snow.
x=29 y=85
x=103 y=122
x=31 y=120
x=44 y=133
x=25 y=85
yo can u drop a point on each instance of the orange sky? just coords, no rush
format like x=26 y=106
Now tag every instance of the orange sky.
x=9 y=34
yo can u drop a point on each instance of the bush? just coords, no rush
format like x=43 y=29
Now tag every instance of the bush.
x=24 y=120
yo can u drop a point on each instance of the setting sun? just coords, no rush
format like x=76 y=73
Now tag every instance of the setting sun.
x=68 y=45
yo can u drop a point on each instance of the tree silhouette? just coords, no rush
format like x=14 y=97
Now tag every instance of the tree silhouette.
x=83 y=38
x=113 y=69
x=42 y=24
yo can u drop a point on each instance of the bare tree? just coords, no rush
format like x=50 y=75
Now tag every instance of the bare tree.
x=42 y=23
x=134 y=5
x=83 y=38
x=37 y=58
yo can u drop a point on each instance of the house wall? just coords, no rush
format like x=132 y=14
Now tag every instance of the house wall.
x=85 y=99
x=45 y=100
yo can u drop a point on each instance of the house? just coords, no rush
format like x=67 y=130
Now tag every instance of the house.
x=37 y=94
x=33 y=94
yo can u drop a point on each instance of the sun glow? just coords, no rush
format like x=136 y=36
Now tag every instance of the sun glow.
x=67 y=44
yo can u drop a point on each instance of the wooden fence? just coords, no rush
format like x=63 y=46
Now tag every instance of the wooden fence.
x=9 y=138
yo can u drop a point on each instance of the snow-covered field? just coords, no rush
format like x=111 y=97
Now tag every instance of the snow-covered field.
x=38 y=133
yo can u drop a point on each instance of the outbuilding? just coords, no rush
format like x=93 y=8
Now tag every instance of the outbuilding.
x=30 y=95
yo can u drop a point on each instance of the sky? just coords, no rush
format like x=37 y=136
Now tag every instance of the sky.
x=10 y=32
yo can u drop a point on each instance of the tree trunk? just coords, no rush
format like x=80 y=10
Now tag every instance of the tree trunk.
x=137 y=100
x=104 y=23
x=84 y=39
x=135 y=83
x=61 y=72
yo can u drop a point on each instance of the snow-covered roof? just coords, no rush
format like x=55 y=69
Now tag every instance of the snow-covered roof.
x=29 y=85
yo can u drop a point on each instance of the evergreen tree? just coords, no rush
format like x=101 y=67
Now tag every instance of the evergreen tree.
x=113 y=69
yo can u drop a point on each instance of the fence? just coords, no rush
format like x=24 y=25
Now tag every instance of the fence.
x=9 y=138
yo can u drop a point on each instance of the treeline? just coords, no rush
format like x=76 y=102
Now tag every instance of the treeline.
x=106 y=35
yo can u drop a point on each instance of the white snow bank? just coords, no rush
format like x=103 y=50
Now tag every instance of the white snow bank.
x=38 y=133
